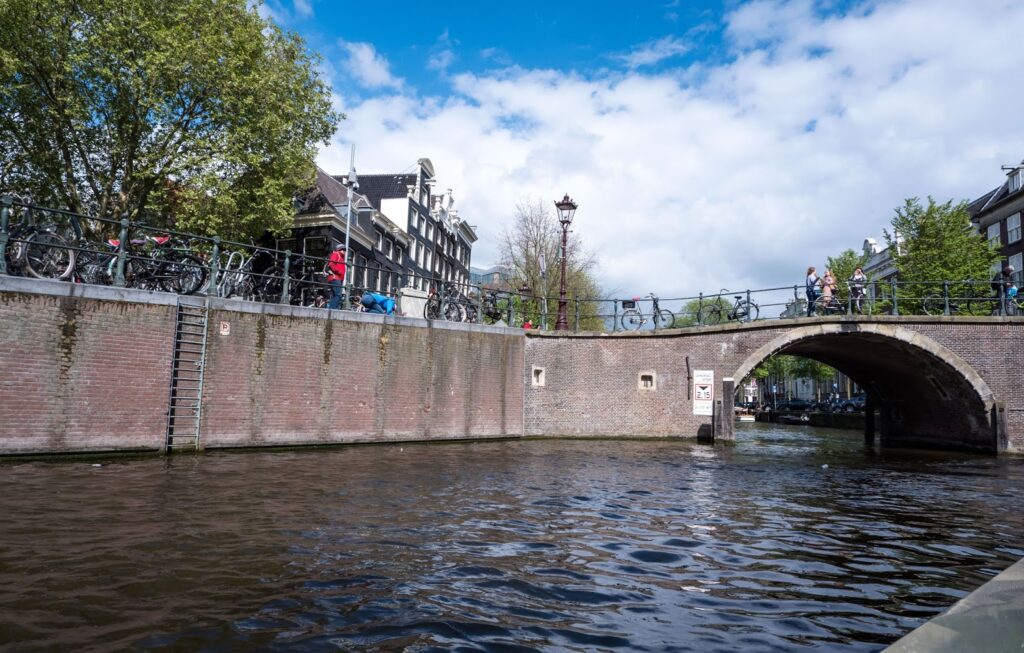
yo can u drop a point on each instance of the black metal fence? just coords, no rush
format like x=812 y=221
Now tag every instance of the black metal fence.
x=57 y=244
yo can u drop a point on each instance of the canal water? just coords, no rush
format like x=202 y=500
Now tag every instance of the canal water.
x=561 y=545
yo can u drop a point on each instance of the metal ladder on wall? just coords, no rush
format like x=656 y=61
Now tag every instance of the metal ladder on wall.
x=185 y=407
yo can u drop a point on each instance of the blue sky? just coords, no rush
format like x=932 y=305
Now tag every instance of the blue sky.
x=424 y=41
x=733 y=143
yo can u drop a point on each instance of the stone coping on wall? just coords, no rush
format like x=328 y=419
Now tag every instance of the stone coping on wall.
x=112 y=293
x=783 y=323
x=991 y=618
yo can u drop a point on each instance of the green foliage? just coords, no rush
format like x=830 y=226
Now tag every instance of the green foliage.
x=774 y=370
x=197 y=113
x=688 y=316
x=937 y=243
x=842 y=267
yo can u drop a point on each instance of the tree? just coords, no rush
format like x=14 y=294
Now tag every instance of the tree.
x=692 y=309
x=842 y=267
x=535 y=237
x=776 y=370
x=936 y=243
x=195 y=112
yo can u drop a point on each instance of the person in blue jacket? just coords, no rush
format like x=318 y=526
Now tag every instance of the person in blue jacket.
x=376 y=303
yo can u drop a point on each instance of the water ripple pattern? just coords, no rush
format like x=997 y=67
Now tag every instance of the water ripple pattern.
x=562 y=545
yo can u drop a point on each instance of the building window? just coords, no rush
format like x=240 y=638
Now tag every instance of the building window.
x=993 y=234
x=398 y=254
x=1016 y=180
x=538 y=377
x=380 y=242
x=647 y=381
x=387 y=249
x=1013 y=228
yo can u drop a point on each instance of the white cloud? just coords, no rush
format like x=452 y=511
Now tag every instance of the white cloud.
x=795 y=150
x=369 y=68
x=304 y=8
x=654 y=52
x=442 y=55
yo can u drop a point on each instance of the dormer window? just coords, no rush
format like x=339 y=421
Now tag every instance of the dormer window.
x=1016 y=180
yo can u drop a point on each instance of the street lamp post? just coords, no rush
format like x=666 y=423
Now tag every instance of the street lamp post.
x=353 y=185
x=566 y=210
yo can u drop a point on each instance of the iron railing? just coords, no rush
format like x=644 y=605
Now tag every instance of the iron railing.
x=53 y=243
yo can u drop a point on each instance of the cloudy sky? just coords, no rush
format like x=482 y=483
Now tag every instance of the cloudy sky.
x=709 y=145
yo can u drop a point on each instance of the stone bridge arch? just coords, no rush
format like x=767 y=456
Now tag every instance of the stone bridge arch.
x=925 y=394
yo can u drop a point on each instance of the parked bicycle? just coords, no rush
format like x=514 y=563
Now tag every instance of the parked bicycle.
x=632 y=318
x=448 y=303
x=828 y=305
x=743 y=310
x=970 y=300
x=37 y=249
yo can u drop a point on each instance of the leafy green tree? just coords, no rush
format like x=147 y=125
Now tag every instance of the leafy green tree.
x=692 y=309
x=777 y=370
x=842 y=267
x=936 y=243
x=196 y=112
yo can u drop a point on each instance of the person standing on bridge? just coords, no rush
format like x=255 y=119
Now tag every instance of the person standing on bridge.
x=336 y=275
x=857 y=283
x=812 y=284
x=828 y=291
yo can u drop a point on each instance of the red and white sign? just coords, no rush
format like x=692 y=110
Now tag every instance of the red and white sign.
x=703 y=392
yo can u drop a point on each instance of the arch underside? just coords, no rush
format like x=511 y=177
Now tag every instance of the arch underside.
x=925 y=395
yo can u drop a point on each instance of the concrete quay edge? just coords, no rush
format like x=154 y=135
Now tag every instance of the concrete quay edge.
x=989 y=619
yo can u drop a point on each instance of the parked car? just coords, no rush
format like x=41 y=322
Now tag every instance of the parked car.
x=794 y=405
x=823 y=407
x=853 y=404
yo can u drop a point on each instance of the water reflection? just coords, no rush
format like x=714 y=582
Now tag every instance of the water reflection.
x=561 y=545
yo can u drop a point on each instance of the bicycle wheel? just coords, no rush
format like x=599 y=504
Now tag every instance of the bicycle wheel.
x=271 y=286
x=666 y=318
x=47 y=256
x=453 y=312
x=631 y=319
x=432 y=309
x=823 y=306
x=746 y=311
x=471 y=314
x=710 y=314
x=934 y=305
x=184 y=274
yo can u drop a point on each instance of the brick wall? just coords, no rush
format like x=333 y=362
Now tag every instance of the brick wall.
x=88 y=369
x=82 y=374
x=301 y=379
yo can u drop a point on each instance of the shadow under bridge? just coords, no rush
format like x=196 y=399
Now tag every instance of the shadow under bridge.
x=924 y=394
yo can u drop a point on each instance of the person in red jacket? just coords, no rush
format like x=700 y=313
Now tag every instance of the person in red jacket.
x=336 y=275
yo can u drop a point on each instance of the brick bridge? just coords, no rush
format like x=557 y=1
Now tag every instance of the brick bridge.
x=89 y=368
x=939 y=382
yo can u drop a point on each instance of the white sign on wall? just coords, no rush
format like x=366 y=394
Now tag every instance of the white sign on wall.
x=703 y=392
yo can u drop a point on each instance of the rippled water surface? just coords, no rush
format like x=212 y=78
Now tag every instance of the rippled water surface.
x=503 y=546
